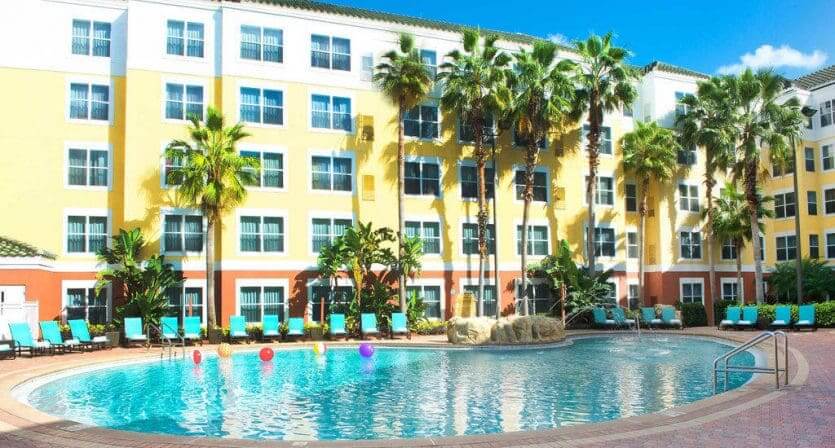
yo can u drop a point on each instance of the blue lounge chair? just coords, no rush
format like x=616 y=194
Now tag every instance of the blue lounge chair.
x=620 y=319
x=191 y=329
x=399 y=325
x=269 y=327
x=295 y=327
x=23 y=340
x=134 y=330
x=668 y=317
x=731 y=317
x=79 y=330
x=805 y=317
x=52 y=334
x=648 y=316
x=336 y=325
x=749 y=318
x=7 y=351
x=237 y=329
x=368 y=325
x=600 y=319
x=782 y=317
x=170 y=328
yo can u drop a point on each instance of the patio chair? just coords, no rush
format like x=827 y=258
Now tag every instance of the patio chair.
x=7 y=351
x=191 y=329
x=782 y=317
x=269 y=327
x=237 y=329
x=51 y=333
x=336 y=325
x=368 y=325
x=648 y=317
x=668 y=317
x=749 y=318
x=23 y=340
x=80 y=332
x=731 y=317
x=134 y=332
x=806 y=317
x=170 y=328
x=600 y=319
x=620 y=319
x=399 y=325
x=295 y=327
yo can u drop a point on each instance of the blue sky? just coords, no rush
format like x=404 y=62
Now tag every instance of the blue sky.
x=795 y=36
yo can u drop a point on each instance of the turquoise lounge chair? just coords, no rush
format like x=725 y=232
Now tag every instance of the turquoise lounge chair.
x=191 y=329
x=399 y=325
x=134 y=330
x=336 y=325
x=23 y=340
x=782 y=317
x=269 y=327
x=731 y=317
x=805 y=317
x=368 y=325
x=237 y=329
x=295 y=327
x=170 y=328
x=648 y=316
x=6 y=351
x=749 y=318
x=668 y=317
x=52 y=334
x=600 y=319
x=79 y=330
x=620 y=318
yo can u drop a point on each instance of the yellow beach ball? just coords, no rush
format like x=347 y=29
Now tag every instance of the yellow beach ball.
x=224 y=350
x=319 y=348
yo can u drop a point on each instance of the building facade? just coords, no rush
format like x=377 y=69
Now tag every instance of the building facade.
x=93 y=101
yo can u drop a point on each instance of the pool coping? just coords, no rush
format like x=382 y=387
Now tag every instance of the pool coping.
x=18 y=416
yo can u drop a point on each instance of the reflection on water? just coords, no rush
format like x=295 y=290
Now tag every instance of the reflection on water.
x=395 y=394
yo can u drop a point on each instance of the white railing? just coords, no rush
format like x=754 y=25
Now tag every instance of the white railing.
x=765 y=335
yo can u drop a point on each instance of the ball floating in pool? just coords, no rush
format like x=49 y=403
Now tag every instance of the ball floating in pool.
x=197 y=357
x=319 y=348
x=224 y=350
x=366 y=350
x=266 y=354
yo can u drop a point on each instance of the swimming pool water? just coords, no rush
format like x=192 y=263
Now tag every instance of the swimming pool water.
x=399 y=393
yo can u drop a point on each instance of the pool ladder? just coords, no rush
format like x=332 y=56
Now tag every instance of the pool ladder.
x=764 y=336
x=167 y=343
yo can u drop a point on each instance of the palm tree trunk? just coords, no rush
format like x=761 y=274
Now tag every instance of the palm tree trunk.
x=211 y=314
x=711 y=278
x=478 y=131
x=591 y=184
x=738 y=248
x=401 y=199
x=798 y=266
x=642 y=211
x=753 y=206
x=530 y=160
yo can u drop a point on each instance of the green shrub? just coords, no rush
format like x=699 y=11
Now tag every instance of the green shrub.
x=693 y=315
x=310 y=326
x=719 y=308
x=426 y=327
x=825 y=314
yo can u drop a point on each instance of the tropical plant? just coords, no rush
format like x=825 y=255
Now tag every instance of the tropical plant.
x=475 y=89
x=542 y=100
x=212 y=178
x=405 y=80
x=649 y=152
x=604 y=83
x=588 y=289
x=409 y=263
x=416 y=311
x=560 y=271
x=818 y=280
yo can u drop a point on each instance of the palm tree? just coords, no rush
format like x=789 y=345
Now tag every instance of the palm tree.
x=649 y=152
x=605 y=84
x=542 y=93
x=475 y=89
x=213 y=178
x=405 y=80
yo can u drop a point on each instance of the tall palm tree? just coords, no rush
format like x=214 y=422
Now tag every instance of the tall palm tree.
x=405 y=80
x=605 y=84
x=475 y=89
x=649 y=152
x=542 y=99
x=213 y=178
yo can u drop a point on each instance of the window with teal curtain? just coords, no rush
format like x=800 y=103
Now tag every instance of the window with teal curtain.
x=174 y=101
x=341 y=54
x=193 y=233
x=431 y=238
x=76 y=303
x=272 y=169
x=250 y=42
x=273 y=234
x=321 y=233
x=432 y=301
x=99 y=102
x=324 y=299
x=273 y=107
x=321 y=111
x=81 y=37
x=76 y=234
x=173 y=233
x=77 y=162
x=97 y=233
x=340 y=226
x=342 y=113
x=320 y=51
x=101 y=39
x=256 y=181
x=251 y=303
x=195 y=40
x=194 y=102
x=78 y=101
x=470 y=238
x=321 y=172
x=489 y=297
x=273 y=45
x=274 y=301
x=174 y=296
x=250 y=234
x=98 y=168
x=342 y=174
x=176 y=38
x=193 y=305
x=250 y=105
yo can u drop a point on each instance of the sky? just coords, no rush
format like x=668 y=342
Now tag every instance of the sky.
x=709 y=36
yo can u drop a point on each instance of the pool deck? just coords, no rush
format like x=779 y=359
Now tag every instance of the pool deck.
x=756 y=415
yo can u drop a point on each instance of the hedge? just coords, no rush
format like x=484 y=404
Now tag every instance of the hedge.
x=693 y=315
x=824 y=312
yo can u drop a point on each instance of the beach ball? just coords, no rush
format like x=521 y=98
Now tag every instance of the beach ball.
x=196 y=356
x=224 y=350
x=319 y=348
x=266 y=354
x=366 y=350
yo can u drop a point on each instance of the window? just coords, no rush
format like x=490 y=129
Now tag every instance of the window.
x=690 y=244
x=431 y=296
x=540 y=186
x=691 y=292
x=786 y=247
x=681 y=109
x=182 y=102
x=330 y=52
x=331 y=112
x=762 y=248
x=422 y=178
x=466 y=134
x=325 y=230
x=489 y=297
x=730 y=290
x=728 y=250
x=86 y=234
x=627 y=110
x=812 y=202
x=539 y=298
x=809 y=154
x=613 y=293
x=469 y=182
x=89 y=101
x=688 y=198
x=778 y=170
x=262 y=106
x=84 y=303
x=429 y=233
x=185 y=39
x=325 y=298
x=262 y=44
x=169 y=165
x=827 y=157
x=686 y=156
x=605 y=191
x=469 y=232
x=332 y=173
x=830 y=245
x=632 y=245
x=632 y=293
x=262 y=234
x=430 y=60
x=257 y=301
x=367 y=72
x=88 y=167
x=784 y=205
x=182 y=233
x=829 y=201
x=604 y=241
x=421 y=122
x=631 y=198
x=83 y=43
x=271 y=174
x=814 y=246
x=826 y=112
x=605 y=144
x=522 y=141
x=185 y=302
x=537 y=240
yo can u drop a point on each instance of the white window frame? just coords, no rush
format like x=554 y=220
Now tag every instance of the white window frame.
x=615 y=286
x=822 y=203
x=261 y=87
x=422 y=282
x=825 y=243
x=261 y=149
x=787 y=247
x=262 y=283
x=689 y=199
x=87 y=213
x=430 y=220
x=427 y=160
x=726 y=243
x=629 y=284
x=86 y=284
x=430 y=103
x=162 y=181
x=474 y=220
x=186 y=83
x=701 y=243
x=340 y=282
x=471 y=164
x=731 y=280
x=690 y=280
x=600 y=175
x=89 y=82
x=831 y=152
x=324 y=215
x=600 y=225
x=784 y=192
x=344 y=154
x=262 y=213
x=459 y=131
x=88 y=146
x=537 y=169
x=489 y=282
x=181 y=212
x=260 y=59
x=330 y=52
x=627 y=245
x=195 y=283
x=206 y=38
x=331 y=94
x=532 y=223
x=90 y=37
x=585 y=142
x=626 y=197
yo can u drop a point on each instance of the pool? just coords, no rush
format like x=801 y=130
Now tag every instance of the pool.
x=398 y=393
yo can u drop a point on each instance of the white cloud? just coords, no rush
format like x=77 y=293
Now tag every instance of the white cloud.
x=767 y=56
x=559 y=39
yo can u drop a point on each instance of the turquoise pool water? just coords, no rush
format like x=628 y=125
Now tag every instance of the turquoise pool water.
x=399 y=393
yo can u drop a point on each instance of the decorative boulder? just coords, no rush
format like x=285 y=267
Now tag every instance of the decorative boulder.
x=503 y=332
x=469 y=331
x=510 y=330
x=522 y=327
x=546 y=329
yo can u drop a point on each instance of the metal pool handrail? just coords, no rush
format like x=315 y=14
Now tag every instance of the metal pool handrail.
x=765 y=335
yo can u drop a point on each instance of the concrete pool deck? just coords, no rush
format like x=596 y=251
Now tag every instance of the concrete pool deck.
x=756 y=415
